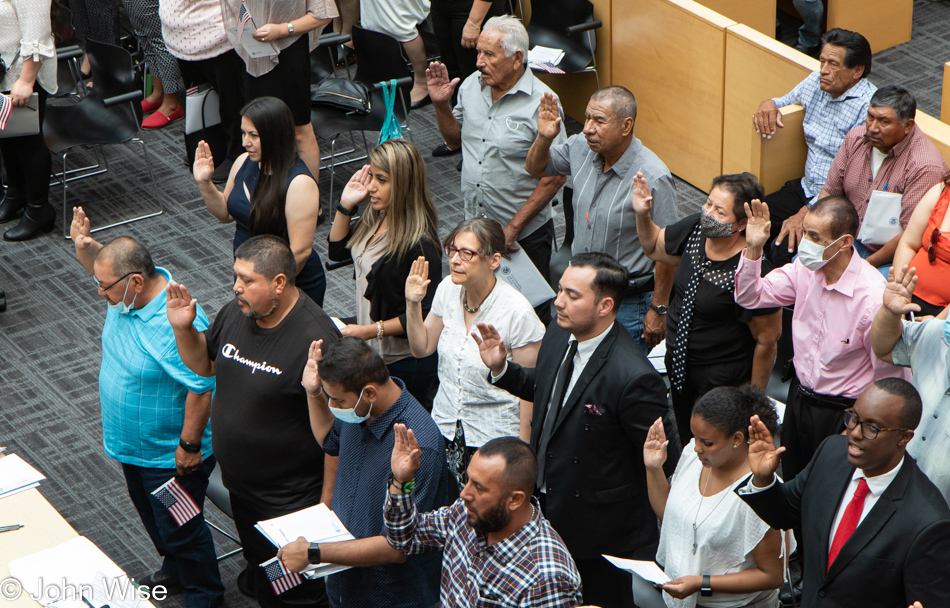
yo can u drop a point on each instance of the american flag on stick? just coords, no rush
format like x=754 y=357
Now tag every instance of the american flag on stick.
x=6 y=106
x=177 y=500
x=244 y=18
x=281 y=579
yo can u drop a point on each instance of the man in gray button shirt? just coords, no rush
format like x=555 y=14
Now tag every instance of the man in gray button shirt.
x=495 y=123
x=603 y=161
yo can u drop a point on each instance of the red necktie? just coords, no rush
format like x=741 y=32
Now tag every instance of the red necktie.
x=849 y=521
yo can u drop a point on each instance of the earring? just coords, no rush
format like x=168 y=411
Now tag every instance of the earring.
x=735 y=446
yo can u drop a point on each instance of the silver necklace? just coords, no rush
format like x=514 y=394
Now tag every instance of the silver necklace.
x=702 y=496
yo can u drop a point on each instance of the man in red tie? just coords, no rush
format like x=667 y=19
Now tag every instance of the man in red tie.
x=877 y=531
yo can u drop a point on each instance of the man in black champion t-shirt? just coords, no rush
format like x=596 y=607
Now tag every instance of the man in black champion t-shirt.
x=257 y=349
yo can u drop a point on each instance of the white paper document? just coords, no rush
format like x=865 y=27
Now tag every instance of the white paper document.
x=520 y=273
x=16 y=475
x=657 y=357
x=545 y=54
x=881 y=221
x=317 y=524
x=648 y=571
x=255 y=48
x=339 y=324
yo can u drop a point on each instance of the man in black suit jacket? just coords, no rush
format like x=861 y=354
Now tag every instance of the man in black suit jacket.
x=897 y=553
x=591 y=444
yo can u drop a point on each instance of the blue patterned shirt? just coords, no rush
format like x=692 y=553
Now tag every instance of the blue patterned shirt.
x=362 y=479
x=531 y=568
x=827 y=122
x=143 y=384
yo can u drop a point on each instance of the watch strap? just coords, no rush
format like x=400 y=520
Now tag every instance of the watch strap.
x=191 y=448
x=706 y=589
x=313 y=553
x=345 y=211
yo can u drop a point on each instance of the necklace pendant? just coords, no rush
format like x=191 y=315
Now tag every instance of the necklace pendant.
x=694 y=548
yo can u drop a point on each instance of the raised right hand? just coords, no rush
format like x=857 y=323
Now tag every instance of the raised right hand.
x=642 y=198
x=766 y=118
x=549 y=119
x=311 y=372
x=204 y=163
x=491 y=347
x=763 y=455
x=181 y=307
x=355 y=191
x=759 y=226
x=418 y=280
x=438 y=83
x=900 y=289
x=406 y=454
x=654 y=448
x=80 y=231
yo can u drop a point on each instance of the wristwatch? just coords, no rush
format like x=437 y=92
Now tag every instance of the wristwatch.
x=290 y=28
x=191 y=448
x=313 y=553
x=660 y=310
x=706 y=589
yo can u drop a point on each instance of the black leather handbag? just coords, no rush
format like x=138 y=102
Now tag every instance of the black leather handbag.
x=341 y=93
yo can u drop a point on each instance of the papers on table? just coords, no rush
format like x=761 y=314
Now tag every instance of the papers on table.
x=657 y=357
x=16 y=476
x=520 y=273
x=545 y=54
x=76 y=574
x=317 y=524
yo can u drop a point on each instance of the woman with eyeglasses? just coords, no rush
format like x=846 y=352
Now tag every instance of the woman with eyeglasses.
x=397 y=226
x=925 y=245
x=469 y=410
x=270 y=190
x=712 y=545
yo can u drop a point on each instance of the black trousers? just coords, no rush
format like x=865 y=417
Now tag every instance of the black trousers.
x=783 y=204
x=537 y=246
x=224 y=74
x=27 y=162
x=604 y=584
x=809 y=420
x=257 y=549
x=448 y=21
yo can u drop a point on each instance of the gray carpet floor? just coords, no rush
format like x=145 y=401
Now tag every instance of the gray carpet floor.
x=49 y=337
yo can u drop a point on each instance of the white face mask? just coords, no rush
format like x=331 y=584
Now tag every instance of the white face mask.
x=121 y=306
x=812 y=255
x=349 y=414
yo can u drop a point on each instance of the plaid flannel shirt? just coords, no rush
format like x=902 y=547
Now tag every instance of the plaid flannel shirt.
x=531 y=568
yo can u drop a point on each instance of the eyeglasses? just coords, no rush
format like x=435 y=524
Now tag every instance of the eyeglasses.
x=466 y=255
x=868 y=429
x=105 y=288
x=932 y=251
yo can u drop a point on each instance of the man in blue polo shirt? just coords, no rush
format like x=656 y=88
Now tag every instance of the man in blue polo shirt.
x=354 y=404
x=154 y=410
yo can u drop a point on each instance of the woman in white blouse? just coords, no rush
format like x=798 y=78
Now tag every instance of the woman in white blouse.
x=467 y=408
x=710 y=539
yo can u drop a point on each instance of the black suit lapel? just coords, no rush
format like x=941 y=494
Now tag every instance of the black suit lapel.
x=596 y=361
x=828 y=509
x=875 y=520
x=542 y=398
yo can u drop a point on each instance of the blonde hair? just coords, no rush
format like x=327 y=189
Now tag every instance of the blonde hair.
x=412 y=215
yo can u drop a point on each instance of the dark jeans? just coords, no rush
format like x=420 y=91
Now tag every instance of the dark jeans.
x=27 y=162
x=783 y=204
x=699 y=380
x=222 y=73
x=418 y=375
x=537 y=246
x=257 y=550
x=189 y=549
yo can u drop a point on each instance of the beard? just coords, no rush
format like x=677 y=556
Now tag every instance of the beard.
x=253 y=314
x=493 y=519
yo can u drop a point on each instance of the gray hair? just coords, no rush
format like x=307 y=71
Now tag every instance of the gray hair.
x=128 y=256
x=898 y=98
x=514 y=37
x=622 y=101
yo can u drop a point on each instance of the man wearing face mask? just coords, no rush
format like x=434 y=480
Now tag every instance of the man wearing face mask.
x=154 y=410
x=923 y=347
x=836 y=295
x=354 y=405
x=256 y=349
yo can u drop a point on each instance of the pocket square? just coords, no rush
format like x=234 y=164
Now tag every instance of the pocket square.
x=592 y=410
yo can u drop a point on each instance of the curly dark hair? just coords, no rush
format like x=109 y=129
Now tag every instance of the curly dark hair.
x=729 y=408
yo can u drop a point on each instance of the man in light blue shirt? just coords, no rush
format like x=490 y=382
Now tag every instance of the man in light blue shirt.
x=835 y=99
x=154 y=410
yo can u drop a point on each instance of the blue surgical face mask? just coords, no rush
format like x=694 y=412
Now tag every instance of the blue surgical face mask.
x=349 y=415
x=121 y=306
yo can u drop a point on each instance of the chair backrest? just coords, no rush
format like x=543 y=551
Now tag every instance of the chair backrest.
x=113 y=75
x=555 y=16
x=380 y=58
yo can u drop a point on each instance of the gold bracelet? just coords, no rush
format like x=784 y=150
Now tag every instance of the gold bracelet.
x=380 y=330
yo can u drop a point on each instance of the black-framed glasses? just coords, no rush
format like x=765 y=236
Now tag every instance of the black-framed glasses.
x=932 y=251
x=111 y=285
x=465 y=254
x=868 y=429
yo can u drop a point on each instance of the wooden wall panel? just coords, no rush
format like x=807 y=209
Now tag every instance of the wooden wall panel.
x=885 y=23
x=945 y=98
x=757 y=14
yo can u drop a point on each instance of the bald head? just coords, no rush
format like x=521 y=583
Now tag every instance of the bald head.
x=126 y=255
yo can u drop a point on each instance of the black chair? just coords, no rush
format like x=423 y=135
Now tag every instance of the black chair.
x=221 y=498
x=567 y=25
x=381 y=60
x=69 y=72
x=110 y=114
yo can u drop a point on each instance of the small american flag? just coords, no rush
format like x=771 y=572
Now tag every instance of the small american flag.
x=177 y=500
x=244 y=18
x=6 y=106
x=547 y=67
x=281 y=579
